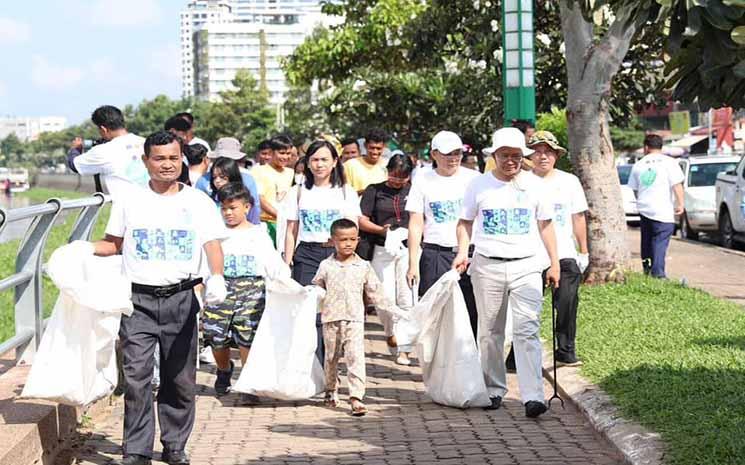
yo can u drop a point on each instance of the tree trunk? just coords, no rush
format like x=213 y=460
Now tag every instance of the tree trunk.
x=591 y=65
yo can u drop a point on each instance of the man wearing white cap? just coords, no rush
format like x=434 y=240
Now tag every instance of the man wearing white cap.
x=511 y=221
x=434 y=205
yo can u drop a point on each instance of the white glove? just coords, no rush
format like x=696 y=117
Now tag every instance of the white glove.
x=215 y=291
x=583 y=261
x=82 y=247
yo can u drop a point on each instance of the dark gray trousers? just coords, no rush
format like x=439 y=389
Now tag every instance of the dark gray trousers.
x=170 y=321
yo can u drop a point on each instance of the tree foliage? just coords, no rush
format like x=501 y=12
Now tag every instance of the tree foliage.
x=416 y=67
x=244 y=113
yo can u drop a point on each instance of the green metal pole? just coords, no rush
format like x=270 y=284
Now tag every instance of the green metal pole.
x=518 y=75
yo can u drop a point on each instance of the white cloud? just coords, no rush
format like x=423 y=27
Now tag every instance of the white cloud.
x=130 y=13
x=102 y=69
x=49 y=76
x=12 y=31
x=3 y=89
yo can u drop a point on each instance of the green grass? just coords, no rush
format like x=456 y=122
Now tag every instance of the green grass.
x=673 y=359
x=41 y=194
x=58 y=236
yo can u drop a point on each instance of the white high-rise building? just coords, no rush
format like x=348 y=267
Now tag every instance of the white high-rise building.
x=196 y=14
x=28 y=129
x=223 y=49
x=228 y=35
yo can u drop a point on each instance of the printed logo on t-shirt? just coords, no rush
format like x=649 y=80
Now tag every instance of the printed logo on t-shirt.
x=506 y=221
x=648 y=177
x=318 y=221
x=560 y=214
x=239 y=265
x=445 y=211
x=159 y=244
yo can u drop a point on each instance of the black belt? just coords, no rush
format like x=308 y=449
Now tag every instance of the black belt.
x=322 y=245
x=505 y=259
x=165 y=291
x=440 y=248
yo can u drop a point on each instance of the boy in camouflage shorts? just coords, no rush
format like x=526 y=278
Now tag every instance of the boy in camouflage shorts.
x=249 y=258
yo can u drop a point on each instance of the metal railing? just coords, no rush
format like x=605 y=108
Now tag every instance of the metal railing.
x=27 y=279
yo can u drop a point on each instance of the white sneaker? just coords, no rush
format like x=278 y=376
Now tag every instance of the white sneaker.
x=403 y=359
x=205 y=356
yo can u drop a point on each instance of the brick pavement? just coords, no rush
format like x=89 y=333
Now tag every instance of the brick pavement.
x=403 y=427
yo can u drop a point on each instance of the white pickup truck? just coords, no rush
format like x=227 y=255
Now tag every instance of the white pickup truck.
x=730 y=195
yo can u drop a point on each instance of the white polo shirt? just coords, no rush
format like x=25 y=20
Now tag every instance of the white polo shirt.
x=440 y=199
x=506 y=214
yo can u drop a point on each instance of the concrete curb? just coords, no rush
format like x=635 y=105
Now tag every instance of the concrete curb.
x=36 y=431
x=638 y=445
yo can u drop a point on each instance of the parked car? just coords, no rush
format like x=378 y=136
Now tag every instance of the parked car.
x=629 y=199
x=730 y=202
x=700 y=193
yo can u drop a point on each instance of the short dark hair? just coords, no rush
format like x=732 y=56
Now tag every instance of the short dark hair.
x=376 y=135
x=195 y=153
x=350 y=141
x=342 y=223
x=653 y=141
x=109 y=117
x=234 y=191
x=177 y=123
x=401 y=163
x=338 y=178
x=162 y=138
x=265 y=145
x=280 y=142
x=185 y=115
x=522 y=124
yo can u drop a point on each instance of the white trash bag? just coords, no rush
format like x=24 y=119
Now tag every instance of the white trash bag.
x=439 y=327
x=76 y=360
x=282 y=363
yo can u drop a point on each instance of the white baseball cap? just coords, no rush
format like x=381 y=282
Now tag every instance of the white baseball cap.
x=508 y=137
x=446 y=142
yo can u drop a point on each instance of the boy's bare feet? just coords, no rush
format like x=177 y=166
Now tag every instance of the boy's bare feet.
x=358 y=408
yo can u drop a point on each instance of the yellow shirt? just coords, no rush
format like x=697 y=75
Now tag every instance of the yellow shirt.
x=490 y=164
x=273 y=186
x=361 y=174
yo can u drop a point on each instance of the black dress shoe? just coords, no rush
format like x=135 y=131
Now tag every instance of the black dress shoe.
x=175 y=457
x=534 y=409
x=133 y=459
x=496 y=402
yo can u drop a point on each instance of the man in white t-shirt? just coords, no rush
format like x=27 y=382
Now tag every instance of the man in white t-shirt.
x=657 y=182
x=160 y=232
x=434 y=205
x=119 y=160
x=510 y=219
x=565 y=193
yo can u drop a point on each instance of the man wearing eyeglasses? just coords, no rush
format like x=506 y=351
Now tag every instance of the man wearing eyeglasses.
x=510 y=218
x=434 y=206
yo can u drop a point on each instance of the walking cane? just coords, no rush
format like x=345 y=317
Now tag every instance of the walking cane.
x=553 y=341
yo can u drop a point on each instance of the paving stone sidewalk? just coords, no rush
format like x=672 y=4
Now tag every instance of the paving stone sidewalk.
x=403 y=427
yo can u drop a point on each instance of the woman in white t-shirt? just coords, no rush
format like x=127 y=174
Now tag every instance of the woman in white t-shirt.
x=323 y=198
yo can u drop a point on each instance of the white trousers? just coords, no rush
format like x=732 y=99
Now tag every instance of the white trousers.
x=391 y=271
x=518 y=285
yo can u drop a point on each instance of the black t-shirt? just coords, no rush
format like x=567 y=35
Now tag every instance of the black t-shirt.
x=385 y=205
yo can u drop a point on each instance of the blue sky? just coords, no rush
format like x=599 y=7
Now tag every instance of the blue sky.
x=64 y=58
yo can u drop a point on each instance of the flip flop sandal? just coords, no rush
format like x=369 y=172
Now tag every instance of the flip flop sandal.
x=330 y=400
x=359 y=410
